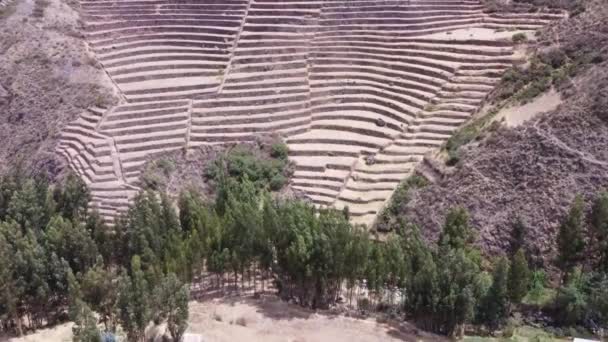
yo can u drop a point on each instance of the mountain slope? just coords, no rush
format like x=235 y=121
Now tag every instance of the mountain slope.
x=534 y=171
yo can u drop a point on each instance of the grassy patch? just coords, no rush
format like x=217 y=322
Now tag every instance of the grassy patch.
x=551 y=67
x=468 y=133
x=541 y=297
x=520 y=334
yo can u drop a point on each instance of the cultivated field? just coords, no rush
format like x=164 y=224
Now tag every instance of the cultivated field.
x=359 y=89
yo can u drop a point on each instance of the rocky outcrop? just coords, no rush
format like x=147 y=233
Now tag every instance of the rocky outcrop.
x=533 y=171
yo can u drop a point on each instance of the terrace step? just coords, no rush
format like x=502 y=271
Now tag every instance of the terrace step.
x=361 y=90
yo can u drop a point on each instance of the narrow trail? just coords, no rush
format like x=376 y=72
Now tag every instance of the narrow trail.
x=559 y=143
x=237 y=38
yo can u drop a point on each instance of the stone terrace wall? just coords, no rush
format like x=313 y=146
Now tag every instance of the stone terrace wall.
x=359 y=89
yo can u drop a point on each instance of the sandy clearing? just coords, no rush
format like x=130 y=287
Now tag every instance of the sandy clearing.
x=517 y=115
x=59 y=333
x=269 y=320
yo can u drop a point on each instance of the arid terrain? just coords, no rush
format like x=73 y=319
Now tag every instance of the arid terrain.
x=47 y=78
x=533 y=169
x=270 y=319
x=463 y=117
x=193 y=75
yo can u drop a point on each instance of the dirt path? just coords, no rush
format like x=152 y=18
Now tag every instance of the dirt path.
x=559 y=143
x=271 y=320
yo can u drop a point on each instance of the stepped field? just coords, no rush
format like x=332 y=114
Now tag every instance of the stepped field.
x=360 y=90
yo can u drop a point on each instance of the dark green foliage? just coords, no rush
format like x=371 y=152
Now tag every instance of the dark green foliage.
x=53 y=252
x=171 y=304
x=136 y=272
x=599 y=300
x=457 y=281
x=72 y=198
x=98 y=289
x=85 y=324
x=71 y=242
x=277 y=182
x=279 y=150
x=519 y=38
x=242 y=162
x=456 y=233
x=519 y=233
x=134 y=311
x=519 y=277
x=30 y=206
x=446 y=285
x=495 y=305
x=599 y=228
x=570 y=242
x=389 y=218
x=571 y=302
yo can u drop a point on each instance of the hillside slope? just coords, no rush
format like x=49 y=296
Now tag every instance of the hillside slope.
x=359 y=90
x=47 y=78
x=535 y=170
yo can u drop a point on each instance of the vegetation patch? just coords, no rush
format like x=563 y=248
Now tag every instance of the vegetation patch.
x=266 y=170
x=56 y=256
x=471 y=131
x=575 y=7
x=553 y=66
x=389 y=217
x=520 y=334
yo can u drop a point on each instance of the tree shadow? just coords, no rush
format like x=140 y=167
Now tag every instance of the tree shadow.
x=409 y=332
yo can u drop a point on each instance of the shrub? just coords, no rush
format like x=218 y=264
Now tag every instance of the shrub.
x=554 y=57
x=241 y=162
x=571 y=301
x=279 y=150
x=277 y=182
x=519 y=38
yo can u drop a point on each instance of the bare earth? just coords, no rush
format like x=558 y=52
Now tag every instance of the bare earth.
x=270 y=319
x=60 y=333
x=517 y=115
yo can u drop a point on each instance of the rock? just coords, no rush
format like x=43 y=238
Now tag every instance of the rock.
x=370 y=160
x=380 y=122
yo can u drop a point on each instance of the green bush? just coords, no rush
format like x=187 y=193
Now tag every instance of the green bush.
x=241 y=162
x=519 y=38
x=554 y=57
x=277 y=182
x=279 y=150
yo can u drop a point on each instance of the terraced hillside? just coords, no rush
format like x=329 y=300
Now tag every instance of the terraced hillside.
x=359 y=89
